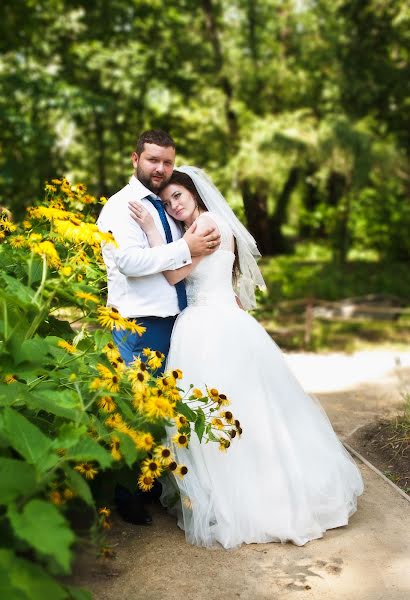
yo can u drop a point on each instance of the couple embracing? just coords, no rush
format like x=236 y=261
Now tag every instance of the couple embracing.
x=185 y=268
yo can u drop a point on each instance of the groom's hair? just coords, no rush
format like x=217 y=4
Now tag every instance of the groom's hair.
x=154 y=136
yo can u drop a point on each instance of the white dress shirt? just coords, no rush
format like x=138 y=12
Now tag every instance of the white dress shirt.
x=136 y=285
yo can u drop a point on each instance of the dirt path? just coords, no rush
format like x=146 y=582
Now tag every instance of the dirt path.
x=368 y=560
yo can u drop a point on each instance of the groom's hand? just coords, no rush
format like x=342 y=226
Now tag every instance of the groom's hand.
x=205 y=242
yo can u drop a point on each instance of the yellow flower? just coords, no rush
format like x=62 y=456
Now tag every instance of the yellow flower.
x=138 y=375
x=7 y=225
x=115 y=447
x=119 y=365
x=2 y=236
x=111 y=351
x=104 y=512
x=163 y=454
x=103 y=200
x=181 y=440
x=9 y=379
x=50 y=188
x=142 y=439
x=145 y=482
x=173 y=395
x=67 y=346
x=56 y=498
x=177 y=373
x=109 y=317
x=87 y=297
x=167 y=382
x=114 y=421
x=223 y=400
x=214 y=394
x=110 y=380
x=18 y=241
x=181 y=421
x=56 y=181
x=107 y=404
x=158 y=408
x=66 y=271
x=26 y=224
x=155 y=359
x=151 y=467
x=187 y=502
x=181 y=471
x=228 y=416
x=68 y=494
x=197 y=393
x=87 y=470
x=217 y=423
x=48 y=250
x=134 y=327
x=224 y=444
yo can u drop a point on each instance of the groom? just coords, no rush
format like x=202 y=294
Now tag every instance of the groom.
x=136 y=286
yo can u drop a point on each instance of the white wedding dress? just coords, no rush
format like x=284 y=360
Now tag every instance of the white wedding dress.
x=288 y=478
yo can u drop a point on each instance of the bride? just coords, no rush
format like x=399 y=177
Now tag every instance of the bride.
x=288 y=478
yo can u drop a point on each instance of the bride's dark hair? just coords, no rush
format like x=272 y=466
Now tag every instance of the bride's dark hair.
x=183 y=179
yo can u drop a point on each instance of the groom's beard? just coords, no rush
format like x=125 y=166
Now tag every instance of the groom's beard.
x=153 y=186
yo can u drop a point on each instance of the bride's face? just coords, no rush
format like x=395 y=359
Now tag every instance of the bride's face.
x=179 y=202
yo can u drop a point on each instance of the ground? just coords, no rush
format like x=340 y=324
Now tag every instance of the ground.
x=367 y=560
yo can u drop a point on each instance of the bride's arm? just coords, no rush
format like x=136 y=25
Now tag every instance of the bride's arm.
x=147 y=224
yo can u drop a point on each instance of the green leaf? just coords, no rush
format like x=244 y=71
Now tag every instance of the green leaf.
x=12 y=393
x=69 y=435
x=17 y=292
x=42 y=526
x=128 y=449
x=24 y=437
x=33 y=351
x=212 y=436
x=17 y=478
x=186 y=411
x=200 y=424
x=126 y=409
x=78 y=484
x=64 y=403
x=78 y=593
x=89 y=449
x=23 y=580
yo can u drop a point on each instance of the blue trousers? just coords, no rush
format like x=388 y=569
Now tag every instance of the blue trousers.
x=156 y=337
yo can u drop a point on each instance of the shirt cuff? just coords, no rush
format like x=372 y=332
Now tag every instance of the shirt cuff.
x=183 y=255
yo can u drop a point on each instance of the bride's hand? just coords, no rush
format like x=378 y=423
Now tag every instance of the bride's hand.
x=141 y=216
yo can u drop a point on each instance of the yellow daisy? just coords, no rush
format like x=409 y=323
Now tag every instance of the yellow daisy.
x=181 y=471
x=181 y=440
x=142 y=439
x=18 y=241
x=217 y=423
x=155 y=359
x=181 y=421
x=87 y=297
x=158 y=408
x=109 y=317
x=9 y=379
x=196 y=393
x=107 y=404
x=67 y=346
x=163 y=454
x=115 y=447
x=145 y=482
x=149 y=466
x=87 y=470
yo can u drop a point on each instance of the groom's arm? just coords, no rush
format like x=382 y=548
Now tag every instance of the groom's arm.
x=132 y=257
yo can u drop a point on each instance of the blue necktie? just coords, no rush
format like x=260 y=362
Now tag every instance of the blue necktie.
x=180 y=286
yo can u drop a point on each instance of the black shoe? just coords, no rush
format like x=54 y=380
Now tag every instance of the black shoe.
x=130 y=507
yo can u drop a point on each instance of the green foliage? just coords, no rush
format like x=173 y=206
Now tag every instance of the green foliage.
x=69 y=406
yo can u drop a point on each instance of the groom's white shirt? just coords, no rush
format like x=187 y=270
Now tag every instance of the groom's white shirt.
x=136 y=286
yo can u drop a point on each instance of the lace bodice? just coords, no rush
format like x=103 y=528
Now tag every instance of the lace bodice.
x=210 y=283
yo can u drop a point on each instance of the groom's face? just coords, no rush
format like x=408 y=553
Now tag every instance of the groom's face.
x=154 y=166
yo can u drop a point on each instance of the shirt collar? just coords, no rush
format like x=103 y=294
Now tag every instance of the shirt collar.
x=139 y=188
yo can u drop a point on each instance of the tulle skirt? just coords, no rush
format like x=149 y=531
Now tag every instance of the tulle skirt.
x=288 y=477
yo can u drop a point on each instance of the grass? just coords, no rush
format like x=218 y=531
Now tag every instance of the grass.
x=310 y=274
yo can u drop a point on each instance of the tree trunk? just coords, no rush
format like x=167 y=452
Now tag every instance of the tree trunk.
x=255 y=205
x=338 y=197
x=278 y=243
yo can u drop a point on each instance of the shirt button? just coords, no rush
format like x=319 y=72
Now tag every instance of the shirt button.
x=184 y=262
